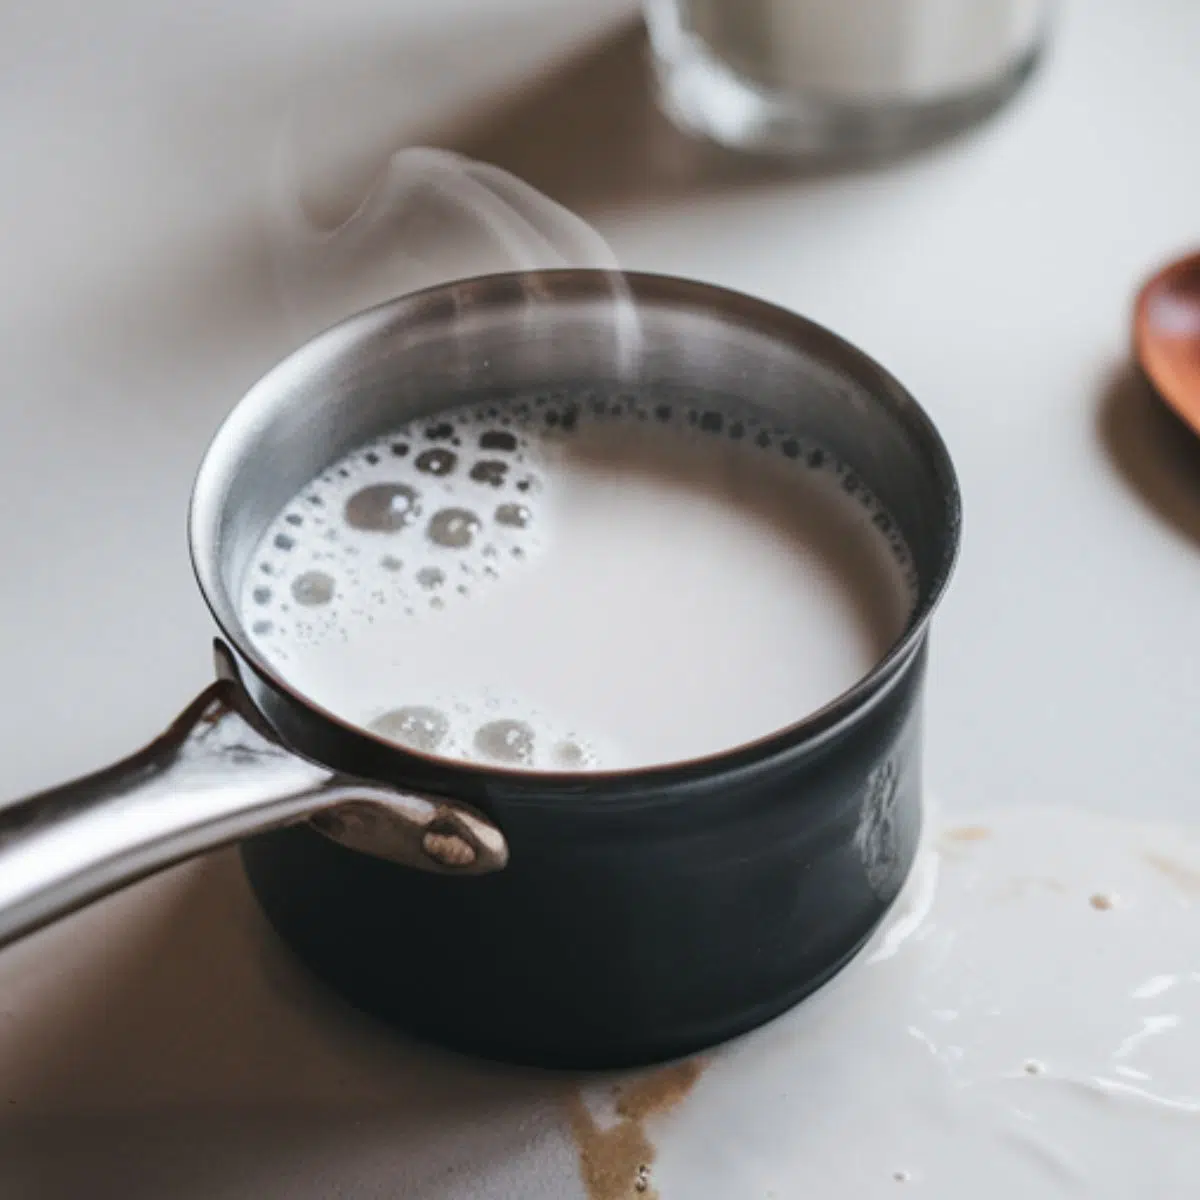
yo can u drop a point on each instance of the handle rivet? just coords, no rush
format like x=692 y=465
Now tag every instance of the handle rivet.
x=448 y=849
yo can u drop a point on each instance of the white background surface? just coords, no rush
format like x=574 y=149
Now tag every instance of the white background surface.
x=994 y=275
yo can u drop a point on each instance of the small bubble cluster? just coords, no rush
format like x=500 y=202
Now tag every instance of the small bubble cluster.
x=411 y=522
x=470 y=731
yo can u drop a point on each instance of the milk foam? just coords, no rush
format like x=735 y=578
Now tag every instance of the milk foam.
x=581 y=580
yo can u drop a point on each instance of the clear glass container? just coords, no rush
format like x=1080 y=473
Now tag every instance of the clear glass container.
x=811 y=76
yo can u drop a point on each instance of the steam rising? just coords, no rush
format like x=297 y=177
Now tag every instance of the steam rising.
x=428 y=217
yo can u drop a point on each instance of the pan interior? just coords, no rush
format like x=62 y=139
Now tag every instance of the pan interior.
x=366 y=497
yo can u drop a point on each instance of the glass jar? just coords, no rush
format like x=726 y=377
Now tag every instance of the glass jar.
x=805 y=76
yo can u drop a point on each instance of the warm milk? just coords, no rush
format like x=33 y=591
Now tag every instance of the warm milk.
x=579 y=581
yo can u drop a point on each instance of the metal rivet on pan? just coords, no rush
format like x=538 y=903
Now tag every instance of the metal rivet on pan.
x=448 y=849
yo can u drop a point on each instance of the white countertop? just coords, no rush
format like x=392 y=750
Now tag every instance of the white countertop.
x=993 y=275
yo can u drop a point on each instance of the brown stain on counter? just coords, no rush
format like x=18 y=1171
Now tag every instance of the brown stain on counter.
x=956 y=843
x=615 y=1161
x=967 y=833
x=1185 y=877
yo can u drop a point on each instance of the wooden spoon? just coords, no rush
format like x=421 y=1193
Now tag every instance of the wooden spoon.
x=1166 y=336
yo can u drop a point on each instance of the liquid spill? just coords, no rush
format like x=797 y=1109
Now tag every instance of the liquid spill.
x=616 y=1160
x=1026 y=1023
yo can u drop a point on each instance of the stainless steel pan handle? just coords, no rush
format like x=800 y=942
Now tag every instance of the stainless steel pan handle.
x=212 y=778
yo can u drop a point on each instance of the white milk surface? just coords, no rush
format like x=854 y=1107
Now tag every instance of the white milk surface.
x=642 y=588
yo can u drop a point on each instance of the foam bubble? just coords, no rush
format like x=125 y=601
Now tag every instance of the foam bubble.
x=313 y=588
x=497 y=439
x=514 y=515
x=416 y=726
x=570 y=756
x=382 y=507
x=437 y=462
x=454 y=528
x=506 y=741
x=490 y=470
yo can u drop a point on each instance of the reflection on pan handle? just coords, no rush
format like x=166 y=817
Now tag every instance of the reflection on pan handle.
x=212 y=778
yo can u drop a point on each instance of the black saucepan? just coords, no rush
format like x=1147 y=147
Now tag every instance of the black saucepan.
x=594 y=920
